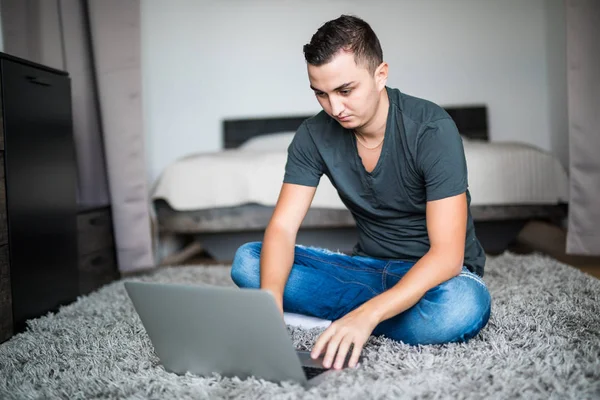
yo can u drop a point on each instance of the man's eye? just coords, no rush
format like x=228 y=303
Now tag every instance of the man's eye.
x=320 y=94
x=345 y=92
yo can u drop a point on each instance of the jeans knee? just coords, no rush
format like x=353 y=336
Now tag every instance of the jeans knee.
x=245 y=270
x=468 y=309
x=454 y=311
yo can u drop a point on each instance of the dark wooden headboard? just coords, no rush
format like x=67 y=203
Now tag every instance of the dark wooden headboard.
x=472 y=122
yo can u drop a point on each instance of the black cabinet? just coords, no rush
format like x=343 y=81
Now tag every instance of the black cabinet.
x=38 y=199
x=97 y=253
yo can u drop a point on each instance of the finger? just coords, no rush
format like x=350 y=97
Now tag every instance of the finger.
x=322 y=341
x=342 y=351
x=355 y=354
x=331 y=349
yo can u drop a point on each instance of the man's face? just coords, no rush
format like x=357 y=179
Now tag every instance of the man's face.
x=346 y=91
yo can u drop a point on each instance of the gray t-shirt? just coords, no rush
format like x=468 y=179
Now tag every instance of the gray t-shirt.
x=422 y=159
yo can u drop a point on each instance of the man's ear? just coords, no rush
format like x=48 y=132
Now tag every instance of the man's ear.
x=381 y=75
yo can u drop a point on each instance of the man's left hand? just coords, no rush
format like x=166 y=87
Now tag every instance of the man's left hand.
x=354 y=328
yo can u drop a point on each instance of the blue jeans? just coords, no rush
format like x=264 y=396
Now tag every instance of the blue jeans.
x=328 y=285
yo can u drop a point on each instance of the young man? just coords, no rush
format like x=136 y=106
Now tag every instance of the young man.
x=398 y=164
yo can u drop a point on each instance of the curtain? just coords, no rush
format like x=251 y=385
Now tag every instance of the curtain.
x=116 y=46
x=98 y=42
x=583 y=80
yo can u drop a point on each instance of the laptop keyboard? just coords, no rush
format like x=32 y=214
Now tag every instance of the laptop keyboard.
x=311 y=372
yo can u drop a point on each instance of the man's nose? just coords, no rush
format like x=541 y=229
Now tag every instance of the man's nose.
x=337 y=106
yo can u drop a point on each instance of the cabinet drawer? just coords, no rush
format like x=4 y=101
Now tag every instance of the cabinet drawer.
x=1 y=124
x=6 y=316
x=97 y=269
x=3 y=224
x=95 y=231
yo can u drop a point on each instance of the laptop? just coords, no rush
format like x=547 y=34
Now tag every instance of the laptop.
x=234 y=332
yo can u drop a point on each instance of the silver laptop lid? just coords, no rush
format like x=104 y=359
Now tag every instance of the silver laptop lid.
x=206 y=329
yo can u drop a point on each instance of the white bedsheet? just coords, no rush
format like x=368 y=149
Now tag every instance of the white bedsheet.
x=499 y=174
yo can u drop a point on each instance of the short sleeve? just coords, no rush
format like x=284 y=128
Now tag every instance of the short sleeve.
x=441 y=160
x=304 y=164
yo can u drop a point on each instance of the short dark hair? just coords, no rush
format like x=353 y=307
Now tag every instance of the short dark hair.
x=349 y=33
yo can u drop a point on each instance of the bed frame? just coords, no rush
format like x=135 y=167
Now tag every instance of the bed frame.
x=220 y=231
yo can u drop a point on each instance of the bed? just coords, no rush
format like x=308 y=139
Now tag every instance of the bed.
x=214 y=202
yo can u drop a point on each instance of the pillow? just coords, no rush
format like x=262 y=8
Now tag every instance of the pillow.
x=270 y=142
x=280 y=141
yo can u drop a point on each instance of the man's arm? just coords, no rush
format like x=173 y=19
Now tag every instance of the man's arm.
x=277 y=254
x=446 y=227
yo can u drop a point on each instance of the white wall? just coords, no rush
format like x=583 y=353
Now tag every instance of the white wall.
x=204 y=61
x=556 y=76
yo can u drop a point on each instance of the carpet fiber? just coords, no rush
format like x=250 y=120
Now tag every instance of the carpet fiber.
x=542 y=341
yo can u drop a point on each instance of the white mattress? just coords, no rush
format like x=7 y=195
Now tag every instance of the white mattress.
x=499 y=174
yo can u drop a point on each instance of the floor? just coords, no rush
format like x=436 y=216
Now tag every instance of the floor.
x=535 y=236
x=550 y=239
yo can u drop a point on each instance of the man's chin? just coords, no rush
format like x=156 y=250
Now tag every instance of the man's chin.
x=348 y=124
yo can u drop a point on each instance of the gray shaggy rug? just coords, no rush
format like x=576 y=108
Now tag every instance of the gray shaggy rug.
x=542 y=341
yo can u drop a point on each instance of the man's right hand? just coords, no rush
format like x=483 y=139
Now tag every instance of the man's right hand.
x=278 y=299
x=280 y=306
x=277 y=254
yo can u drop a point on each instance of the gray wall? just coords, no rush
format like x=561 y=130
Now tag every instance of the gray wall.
x=1 y=36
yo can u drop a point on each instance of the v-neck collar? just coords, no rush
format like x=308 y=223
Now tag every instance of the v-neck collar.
x=384 y=148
